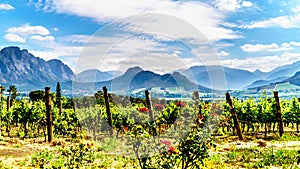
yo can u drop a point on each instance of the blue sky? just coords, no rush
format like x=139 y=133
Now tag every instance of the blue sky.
x=246 y=34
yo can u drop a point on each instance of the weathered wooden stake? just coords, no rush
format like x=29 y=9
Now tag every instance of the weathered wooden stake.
x=1 y=108
x=74 y=105
x=1 y=93
x=49 y=114
x=279 y=115
x=235 y=119
x=60 y=107
x=196 y=99
x=109 y=116
x=7 y=103
x=149 y=105
x=7 y=108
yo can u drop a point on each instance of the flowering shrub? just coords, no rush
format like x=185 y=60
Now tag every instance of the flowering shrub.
x=143 y=110
x=186 y=148
x=172 y=149
x=166 y=142
x=158 y=107
x=180 y=104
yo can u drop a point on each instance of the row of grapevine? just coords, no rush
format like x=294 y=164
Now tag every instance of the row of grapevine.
x=263 y=113
x=28 y=118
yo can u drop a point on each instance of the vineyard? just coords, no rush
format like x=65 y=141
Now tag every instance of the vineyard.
x=110 y=131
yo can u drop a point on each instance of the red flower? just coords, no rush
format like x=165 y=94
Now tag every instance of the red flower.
x=143 y=110
x=200 y=117
x=205 y=107
x=159 y=107
x=166 y=142
x=180 y=104
x=125 y=128
x=172 y=149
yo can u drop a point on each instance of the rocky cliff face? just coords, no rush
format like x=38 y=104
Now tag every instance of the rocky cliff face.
x=19 y=67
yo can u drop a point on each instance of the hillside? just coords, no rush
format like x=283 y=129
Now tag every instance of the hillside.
x=21 y=68
x=136 y=78
x=28 y=72
x=234 y=78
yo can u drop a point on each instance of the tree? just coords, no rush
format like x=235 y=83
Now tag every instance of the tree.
x=37 y=95
x=2 y=88
x=58 y=94
x=58 y=97
x=13 y=92
x=99 y=95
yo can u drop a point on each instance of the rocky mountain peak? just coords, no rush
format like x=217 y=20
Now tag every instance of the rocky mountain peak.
x=21 y=68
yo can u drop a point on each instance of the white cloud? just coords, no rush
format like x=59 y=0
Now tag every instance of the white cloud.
x=203 y=16
x=6 y=7
x=223 y=53
x=246 y=3
x=67 y=54
x=57 y=52
x=269 y=47
x=26 y=30
x=22 y=33
x=296 y=9
x=14 y=38
x=284 y=21
x=281 y=21
x=147 y=53
x=265 y=63
x=231 y=5
x=42 y=38
x=75 y=39
x=295 y=43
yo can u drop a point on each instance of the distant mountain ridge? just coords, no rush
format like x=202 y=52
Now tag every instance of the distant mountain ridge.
x=281 y=74
x=93 y=75
x=294 y=79
x=136 y=78
x=234 y=78
x=28 y=72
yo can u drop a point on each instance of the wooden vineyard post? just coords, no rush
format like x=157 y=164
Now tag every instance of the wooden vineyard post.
x=149 y=105
x=49 y=114
x=7 y=103
x=297 y=124
x=196 y=99
x=109 y=116
x=60 y=107
x=235 y=119
x=1 y=108
x=279 y=115
x=1 y=93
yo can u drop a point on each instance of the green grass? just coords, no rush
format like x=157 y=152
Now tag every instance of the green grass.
x=255 y=158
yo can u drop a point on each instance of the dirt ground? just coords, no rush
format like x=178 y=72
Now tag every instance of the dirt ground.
x=14 y=151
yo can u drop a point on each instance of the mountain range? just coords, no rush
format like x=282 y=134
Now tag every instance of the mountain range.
x=27 y=72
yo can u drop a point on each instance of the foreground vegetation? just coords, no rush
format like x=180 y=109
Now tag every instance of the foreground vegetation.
x=172 y=134
x=82 y=153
